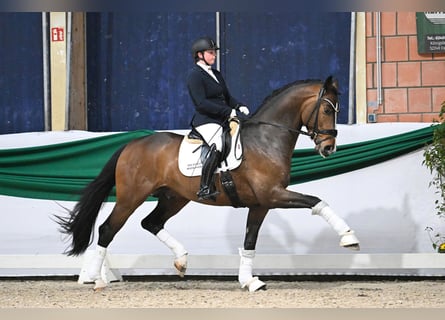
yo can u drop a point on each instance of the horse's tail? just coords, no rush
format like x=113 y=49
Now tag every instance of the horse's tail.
x=80 y=222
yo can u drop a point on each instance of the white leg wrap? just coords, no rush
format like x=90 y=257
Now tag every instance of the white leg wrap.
x=348 y=238
x=177 y=248
x=245 y=277
x=338 y=224
x=174 y=245
x=245 y=267
x=94 y=270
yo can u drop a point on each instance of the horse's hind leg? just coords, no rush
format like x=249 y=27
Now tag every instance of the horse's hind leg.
x=107 y=230
x=255 y=219
x=169 y=204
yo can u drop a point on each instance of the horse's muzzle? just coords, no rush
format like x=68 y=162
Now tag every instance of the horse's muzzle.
x=327 y=150
x=325 y=146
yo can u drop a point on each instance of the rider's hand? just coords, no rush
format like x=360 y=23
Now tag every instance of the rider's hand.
x=238 y=114
x=244 y=110
x=241 y=116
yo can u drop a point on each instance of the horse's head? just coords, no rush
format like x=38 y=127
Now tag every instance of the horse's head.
x=321 y=117
x=309 y=103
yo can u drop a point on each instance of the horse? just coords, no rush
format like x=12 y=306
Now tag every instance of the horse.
x=148 y=166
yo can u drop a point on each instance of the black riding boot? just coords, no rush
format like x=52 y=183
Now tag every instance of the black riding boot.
x=207 y=190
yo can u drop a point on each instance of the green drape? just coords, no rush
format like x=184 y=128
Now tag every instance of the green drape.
x=61 y=171
x=307 y=166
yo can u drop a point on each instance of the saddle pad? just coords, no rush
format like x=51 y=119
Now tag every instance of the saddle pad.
x=189 y=158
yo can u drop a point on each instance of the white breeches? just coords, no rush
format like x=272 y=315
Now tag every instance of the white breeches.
x=212 y=134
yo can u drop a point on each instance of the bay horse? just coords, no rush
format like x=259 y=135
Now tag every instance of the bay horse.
x=148 y=166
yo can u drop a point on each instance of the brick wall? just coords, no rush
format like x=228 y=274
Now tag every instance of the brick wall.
x=413 y=85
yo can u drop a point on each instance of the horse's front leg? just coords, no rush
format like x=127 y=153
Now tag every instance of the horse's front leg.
x=347 y=235
x=289 y=199
x=247 y=254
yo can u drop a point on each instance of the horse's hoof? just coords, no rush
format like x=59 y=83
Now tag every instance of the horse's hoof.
x=355 y=247
x=99 y=285
x=254 y=284
x=350 y=241
x=181 y=265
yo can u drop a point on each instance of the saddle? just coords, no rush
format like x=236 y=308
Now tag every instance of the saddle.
x=193 y=150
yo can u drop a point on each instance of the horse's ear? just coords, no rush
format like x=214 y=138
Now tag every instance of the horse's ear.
x=331 y=83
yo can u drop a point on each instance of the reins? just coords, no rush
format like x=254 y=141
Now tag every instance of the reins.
x=315 y=132
x=250 y=121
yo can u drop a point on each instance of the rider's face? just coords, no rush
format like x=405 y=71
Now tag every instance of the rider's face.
x=209 y=56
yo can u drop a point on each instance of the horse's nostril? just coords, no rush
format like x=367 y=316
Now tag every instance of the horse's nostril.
x=328 y=148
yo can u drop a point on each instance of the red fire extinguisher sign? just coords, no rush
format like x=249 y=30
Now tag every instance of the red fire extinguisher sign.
x=57 y=34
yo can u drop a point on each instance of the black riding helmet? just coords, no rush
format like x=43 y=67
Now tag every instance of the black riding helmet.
x=201 y=45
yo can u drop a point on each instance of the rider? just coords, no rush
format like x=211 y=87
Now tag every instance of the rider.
x=214 y=106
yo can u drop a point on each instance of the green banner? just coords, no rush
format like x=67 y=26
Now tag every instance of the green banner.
x=430 y=32
x=61 y=171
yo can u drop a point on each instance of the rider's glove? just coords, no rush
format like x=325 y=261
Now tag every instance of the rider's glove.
x=244 y=110
x=238 y=114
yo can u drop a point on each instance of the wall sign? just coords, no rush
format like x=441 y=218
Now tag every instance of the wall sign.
x=430 y=32
x=57 y=34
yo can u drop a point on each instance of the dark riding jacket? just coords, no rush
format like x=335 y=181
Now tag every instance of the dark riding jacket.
x=212 y=100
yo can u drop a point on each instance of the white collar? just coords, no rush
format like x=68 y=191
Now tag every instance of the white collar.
x=207 y=69
x=204 y=66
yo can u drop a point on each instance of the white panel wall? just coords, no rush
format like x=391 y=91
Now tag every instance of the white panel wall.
x=389 y=205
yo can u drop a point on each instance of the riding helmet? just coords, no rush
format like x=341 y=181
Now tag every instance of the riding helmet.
x=202 y=44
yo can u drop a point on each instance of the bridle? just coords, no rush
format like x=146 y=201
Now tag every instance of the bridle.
x=315 y=131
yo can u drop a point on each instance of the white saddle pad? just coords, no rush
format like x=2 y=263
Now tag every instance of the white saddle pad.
x=189 y=158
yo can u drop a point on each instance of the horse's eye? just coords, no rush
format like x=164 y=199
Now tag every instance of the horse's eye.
x=327 y=110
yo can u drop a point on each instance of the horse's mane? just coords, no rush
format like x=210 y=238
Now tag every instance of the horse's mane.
x=287 y=86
